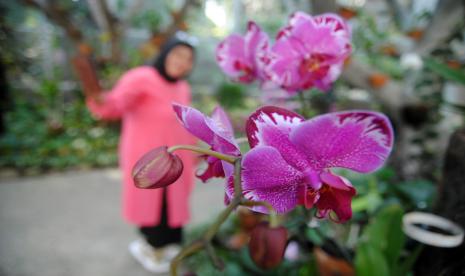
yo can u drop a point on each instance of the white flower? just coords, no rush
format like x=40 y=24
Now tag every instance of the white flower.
x=411 y=61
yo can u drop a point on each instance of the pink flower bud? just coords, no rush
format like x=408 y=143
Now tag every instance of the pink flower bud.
x=158 y=168
x=267 y=245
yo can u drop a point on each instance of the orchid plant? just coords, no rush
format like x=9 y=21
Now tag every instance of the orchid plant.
x=292 y=159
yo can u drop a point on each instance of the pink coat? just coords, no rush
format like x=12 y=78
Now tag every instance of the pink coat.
x=142 y=99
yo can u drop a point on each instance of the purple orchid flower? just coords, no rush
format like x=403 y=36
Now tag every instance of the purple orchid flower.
x=216 y=131
x=290 y=160
x=309 y=52
x=243 y=57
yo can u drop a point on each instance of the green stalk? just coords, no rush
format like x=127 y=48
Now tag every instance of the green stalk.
x=225 y=157
x=204 y=242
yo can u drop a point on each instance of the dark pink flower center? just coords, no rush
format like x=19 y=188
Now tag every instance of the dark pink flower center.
x=316 y=63
x=314 y=69
x=248 y=71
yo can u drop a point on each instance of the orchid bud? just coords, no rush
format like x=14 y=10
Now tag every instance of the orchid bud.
x=267 y=245
x=248 y=219
x=158 y=168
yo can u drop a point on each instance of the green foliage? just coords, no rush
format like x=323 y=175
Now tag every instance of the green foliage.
x=231 y=95
x=42 y=134
x=370 y=261
x=238 y=262
x=416 y=194
x=376 y=190
x=149 y=19
x=445 y=71
x=382 y=243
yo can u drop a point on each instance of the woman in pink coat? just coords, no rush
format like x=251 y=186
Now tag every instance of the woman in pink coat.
x=142 y=99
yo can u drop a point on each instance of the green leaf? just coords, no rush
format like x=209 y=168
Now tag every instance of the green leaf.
x=394 y=235
x=369 y=202
x=385 y=233
x=313 y=236
x=420 y=193
x=370 y=261
x=445 y=71
x=408 y=263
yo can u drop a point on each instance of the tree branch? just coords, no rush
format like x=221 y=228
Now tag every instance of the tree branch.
x=448 y=13
x=399 y=13
x=357 y=74
x=109 y=24
x=59 y=16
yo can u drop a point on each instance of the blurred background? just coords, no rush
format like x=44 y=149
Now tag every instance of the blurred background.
x=59 y=190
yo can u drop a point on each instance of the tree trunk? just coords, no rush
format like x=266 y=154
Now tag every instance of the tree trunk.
x=322 y=6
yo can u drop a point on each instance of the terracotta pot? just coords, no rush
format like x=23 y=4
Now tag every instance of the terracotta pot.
x=378 y=80
x=415 y=34
x=454 y=64
x=347 y=13
x=389 y=50
x=332 y=266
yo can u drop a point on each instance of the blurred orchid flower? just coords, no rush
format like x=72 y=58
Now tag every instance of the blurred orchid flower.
x=309 y=52
x=290 y=160
x=243 y=57
x=216 y=131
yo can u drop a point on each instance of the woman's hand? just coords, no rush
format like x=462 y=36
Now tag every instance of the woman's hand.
x=88 y=77
x=98 y=98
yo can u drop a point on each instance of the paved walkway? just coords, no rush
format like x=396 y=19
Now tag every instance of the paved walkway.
x=69 y=224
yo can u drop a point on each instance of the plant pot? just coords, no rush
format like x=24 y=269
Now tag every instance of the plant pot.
x=332 y=266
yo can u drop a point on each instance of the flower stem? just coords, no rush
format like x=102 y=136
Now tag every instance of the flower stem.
x=241 y=140
x=185 y=252
x=237 y=179
x=217 y=261
x=303 y=105
x=228 y=158
x=204 y=242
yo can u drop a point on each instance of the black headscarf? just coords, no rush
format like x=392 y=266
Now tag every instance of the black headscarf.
x=160 y=61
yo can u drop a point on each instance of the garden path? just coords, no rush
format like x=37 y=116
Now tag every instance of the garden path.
x=69 y=224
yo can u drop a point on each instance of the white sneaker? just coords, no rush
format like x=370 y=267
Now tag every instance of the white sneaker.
x=148 y=257
x=170 y=251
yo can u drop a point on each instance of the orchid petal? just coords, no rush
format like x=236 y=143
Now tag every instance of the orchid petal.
x=229 y=189
x=267 y=176
x=221 y=121
x=357 y=140
x=337 y=24
x=230 y=54
x=214 y=169
x=274 y=116
x=212 y=132
x=244 y=57
x=335 y=181
x=257 y=43
x=271 y=126
x=307 y=50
